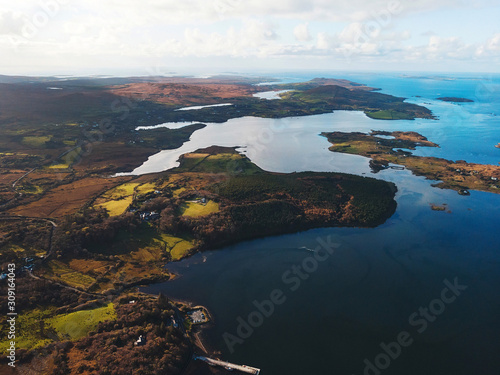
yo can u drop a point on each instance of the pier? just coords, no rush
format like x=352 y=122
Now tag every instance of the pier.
x=229 y=366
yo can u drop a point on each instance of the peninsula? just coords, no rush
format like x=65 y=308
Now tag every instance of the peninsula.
x=383 y=151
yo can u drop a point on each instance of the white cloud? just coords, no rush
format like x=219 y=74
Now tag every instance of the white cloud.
x=493 y=44
x=325 y=41
x=10 y=22
x=121 y=30
x=301 y=32
x=490 y=48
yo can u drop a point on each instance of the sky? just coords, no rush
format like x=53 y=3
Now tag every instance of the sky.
x=161 y=37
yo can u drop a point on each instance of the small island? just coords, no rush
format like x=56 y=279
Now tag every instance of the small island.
x=497 y=145
x=457 y=175
x=443 y=207
x=454 y=99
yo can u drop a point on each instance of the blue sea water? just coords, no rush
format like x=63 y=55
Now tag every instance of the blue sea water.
x=378 y=283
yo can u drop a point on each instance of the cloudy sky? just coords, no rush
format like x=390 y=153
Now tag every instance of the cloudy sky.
x=147 y=37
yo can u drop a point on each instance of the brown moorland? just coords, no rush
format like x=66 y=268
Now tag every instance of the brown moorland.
x=67 y=199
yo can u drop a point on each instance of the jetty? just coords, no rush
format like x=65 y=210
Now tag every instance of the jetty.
x=229 y=366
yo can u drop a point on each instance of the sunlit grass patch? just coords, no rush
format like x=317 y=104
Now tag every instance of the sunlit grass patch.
x=29 y=331
x=195 y=209
x=226 y=156
x=121 y=191
x=59 y=166
x=117 y=207
x=181 y=249
x=178 y=192
x=146 y=188
x=177 y=246
x=196 y=155
x=30 y=189
x=76 y=325
x=36 y=141
x=117 y=200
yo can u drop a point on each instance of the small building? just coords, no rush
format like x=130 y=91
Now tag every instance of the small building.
x=140 y=341
x=147 y=216
x=198 y=316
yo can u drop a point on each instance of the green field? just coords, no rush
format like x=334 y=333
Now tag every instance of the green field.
x=37 y=328
x=178 y=247
x=117 y=200
x=229 y=162
x=117 y=207
x=121 y=191
x=59 y=166
x=388 y=115
x=28 y=330
x=37 y=142
x=196 y=209
x=146 y=188
x=76 y=325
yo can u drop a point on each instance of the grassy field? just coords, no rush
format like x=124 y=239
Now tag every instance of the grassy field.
x=34 y=327
x=28 y=330
x=218 y=160
x=59 y=166
x=179 y=191
x=154 y=247
x=117 y=207
x=146 y=188
x=117 y=200
x=124 y=190
x=195 y=209
x=37 y=142
x=60 y=271
x=388 y=115
x=178 y=247
x=76 y=325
